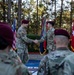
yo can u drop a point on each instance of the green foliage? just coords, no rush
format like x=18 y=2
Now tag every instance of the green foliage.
x=33 y=36
x=40 y=5
x=33 y=47
x=29 y=11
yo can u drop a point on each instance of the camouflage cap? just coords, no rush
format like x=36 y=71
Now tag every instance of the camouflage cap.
x=62 y=32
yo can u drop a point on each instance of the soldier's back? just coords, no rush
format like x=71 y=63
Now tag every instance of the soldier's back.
x=49 y=64
x=55 y=59
x=6 y=65
x=69 y=65
x=6 y=69
x=9 y=66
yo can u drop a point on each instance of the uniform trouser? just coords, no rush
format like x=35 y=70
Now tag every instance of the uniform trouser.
x=23 y=56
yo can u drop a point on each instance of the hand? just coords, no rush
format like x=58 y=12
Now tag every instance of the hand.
x=35 y=41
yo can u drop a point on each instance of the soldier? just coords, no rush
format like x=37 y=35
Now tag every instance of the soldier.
x=8 y=64
x=22 y=40
x=49 y=65
x=69 y=65
x=49 y=36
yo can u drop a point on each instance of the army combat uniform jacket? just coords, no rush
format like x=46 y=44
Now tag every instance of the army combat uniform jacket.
x=50 y=63
x=9 y=65
x=21 y=44
x=49 y=36
x=69 y=65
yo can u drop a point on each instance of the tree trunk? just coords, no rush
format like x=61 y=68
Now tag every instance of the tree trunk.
x=9 y=12
x=55 y=10
x=4 y=18
x=37 y=19
x=71 y=15
x=61 y=13
x=19 y=13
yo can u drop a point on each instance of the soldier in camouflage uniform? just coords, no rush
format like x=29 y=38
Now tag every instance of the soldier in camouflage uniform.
x=9 y=65
x=22 y=41
x=49 y=36
x=50 y=64
x=69 y=65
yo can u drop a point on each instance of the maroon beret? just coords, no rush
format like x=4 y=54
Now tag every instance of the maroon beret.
x=51 y=22
x=62 y=32
x=25 y=21
x=6 y=32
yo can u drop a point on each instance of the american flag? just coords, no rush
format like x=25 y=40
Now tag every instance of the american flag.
x=14 y=31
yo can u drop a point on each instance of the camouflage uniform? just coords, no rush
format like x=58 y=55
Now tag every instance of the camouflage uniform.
x=50 y=63
x=10 y=65
x=14 y=55
x=21 y=44
x=9 y=62
x=49 y=38
x=69 y=65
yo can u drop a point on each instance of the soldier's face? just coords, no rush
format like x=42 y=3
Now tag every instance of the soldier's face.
x=49 y=25
x=25 y=25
